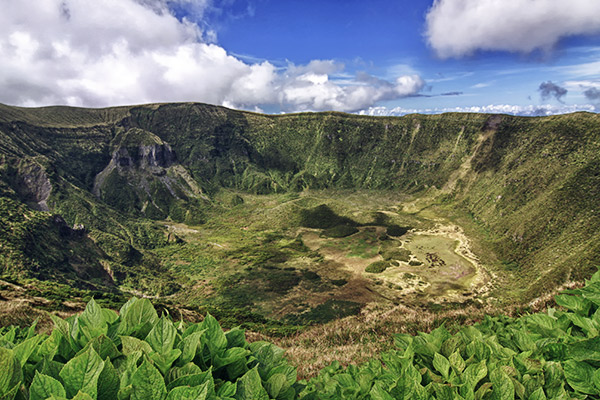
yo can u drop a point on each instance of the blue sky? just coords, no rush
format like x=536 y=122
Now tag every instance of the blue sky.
x=530 y=57
x=386 y=38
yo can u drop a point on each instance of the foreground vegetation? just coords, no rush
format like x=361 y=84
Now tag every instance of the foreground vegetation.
x=136 y=354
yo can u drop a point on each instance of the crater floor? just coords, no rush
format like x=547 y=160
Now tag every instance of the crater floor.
x=257 y=256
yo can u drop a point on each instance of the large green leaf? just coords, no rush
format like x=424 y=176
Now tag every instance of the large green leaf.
x=538 y=394
x=276 y=384
x=595 y=277
x=577 y=304
x=479 y=350
x=363 y=376
x=291 y=374
x=230 y=356
x=163 y=361
x=51 y=368
x=189 y=393
x=138 y=316
x=162 y=336
x=268 y=356
x=226 y=390
x=405 y=387
x=450 y=345
x=177 y=372
x=64 y=329
x=214 y=338
x=502 y=386
x=12 y=393
x=108 y=382
x=105 y=347
x=467 y=393
x=596 y=379
x=587 y=325
x=82 y=396
x=236 y=337
x=9 y=336
x=585 y=350
x=147 y=383
x=132 y=344
x=483 y=391
x=579 y=376
x=189 y=346
x=44 y=386
x=110 y=316
x=25 y=349
x=249 y=387
x=412 y=373
x=441 y=364
x=554 y=379
x=474 y=373
x=519 y=388
x=162 y=339
x=543 y=324
x=49 y=346
x=457 y=362
x=195 y=380
x=124 y=393
x=92 y=322
x=237 y=369
x=443 y=392
x=379 y=393
x=591 y=292
x=128 y=369
x=346 y=385
x=82 y=372
x=523 y=340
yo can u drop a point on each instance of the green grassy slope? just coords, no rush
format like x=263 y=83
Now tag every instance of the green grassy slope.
x=535 y=185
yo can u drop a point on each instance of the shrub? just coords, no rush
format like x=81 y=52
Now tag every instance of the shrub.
x=322 y=217
x=397 y=230
x=377 y=267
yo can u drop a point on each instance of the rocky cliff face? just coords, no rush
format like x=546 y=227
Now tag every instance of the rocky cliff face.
x=143 y=175
x=33 y=185
x=154 y=158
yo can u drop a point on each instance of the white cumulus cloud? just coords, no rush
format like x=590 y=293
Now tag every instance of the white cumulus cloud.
x=528 y=110
x=456 y=28
x=314 y=91
x=113 y=52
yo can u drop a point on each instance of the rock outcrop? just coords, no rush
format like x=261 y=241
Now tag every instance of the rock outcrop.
x=143 y=175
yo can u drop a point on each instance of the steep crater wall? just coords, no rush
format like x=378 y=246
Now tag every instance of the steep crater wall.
x=530 y=183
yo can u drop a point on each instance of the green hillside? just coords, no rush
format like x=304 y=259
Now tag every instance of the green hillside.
x=289 y=220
